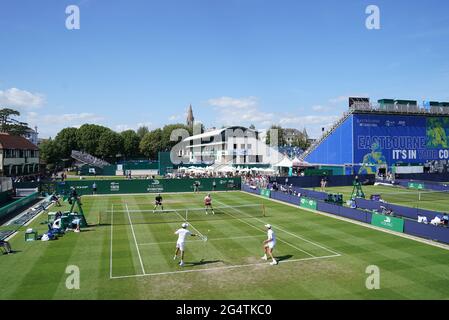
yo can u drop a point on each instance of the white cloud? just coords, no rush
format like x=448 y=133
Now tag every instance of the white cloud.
x=62 y=119
x=320 y=108
x=174 y=117
x=243 y=111
x=143 y=124
x=51 y=124
x=312 y=123
x=21 y=99
x=122 y=127
x=310 y=119
x=240 y=103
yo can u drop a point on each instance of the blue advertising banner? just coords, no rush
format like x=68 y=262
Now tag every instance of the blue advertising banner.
x=387 y=140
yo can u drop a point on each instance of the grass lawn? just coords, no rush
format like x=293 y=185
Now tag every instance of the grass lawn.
x=430 y=200
x=130 y=256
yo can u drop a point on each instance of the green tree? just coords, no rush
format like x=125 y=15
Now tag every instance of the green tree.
x=67 y=141
x=49 y=152
x=110 y=144
x=280 y=133
x=10 y=125
x=142 y=131
x=151 y=143
x=166 y=144
x=88 y=138
x=131 y=143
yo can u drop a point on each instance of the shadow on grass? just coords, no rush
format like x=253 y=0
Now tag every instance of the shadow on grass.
x=282 y=258
x=201 y=262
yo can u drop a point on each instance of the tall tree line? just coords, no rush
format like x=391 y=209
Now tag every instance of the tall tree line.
x=107 y=144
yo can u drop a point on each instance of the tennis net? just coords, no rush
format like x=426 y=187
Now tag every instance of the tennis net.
x=125 y=215
x=396 y=197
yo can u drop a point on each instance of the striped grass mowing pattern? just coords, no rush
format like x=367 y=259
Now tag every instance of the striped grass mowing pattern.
x=321 y=257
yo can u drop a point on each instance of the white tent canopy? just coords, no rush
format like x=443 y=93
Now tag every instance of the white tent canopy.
x=227 y=169
x=285 y=163
x=298 y=163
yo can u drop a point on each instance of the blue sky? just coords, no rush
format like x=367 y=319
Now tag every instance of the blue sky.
x=140 y=62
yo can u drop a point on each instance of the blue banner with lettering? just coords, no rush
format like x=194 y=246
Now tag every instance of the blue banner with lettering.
x=387 y=140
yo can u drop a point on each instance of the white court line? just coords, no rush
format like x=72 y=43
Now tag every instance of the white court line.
x=201 y=235
x=255 y=227
x=209 y=239
x=222 y=268
x=112 y=223
x=294 y=235
x=135 y=241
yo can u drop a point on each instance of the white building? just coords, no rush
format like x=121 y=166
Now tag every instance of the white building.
x=232 y=145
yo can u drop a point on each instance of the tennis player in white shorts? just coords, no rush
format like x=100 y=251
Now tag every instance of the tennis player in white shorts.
x=180 y=244
x=269 y=244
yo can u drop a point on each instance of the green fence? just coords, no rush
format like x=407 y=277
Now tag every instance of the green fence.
x=308 y=203
x=5 y=196
x=387 y=222
x=416 y=185
x=22 y=202
x=265 y=192
x=148 y=186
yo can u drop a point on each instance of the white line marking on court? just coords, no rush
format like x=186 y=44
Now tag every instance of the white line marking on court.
x=209 y=239
x=112 y=223
x=135 y=240
x=223 y=268
x=251 y=225
x=201 y=235
x=306 y=240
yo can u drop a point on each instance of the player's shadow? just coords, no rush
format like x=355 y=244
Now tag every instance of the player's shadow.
x=202 y=262
x=282 y=258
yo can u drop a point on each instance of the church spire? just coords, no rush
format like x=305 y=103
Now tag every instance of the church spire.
x=190 y=118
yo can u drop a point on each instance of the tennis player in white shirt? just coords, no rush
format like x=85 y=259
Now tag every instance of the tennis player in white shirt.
x=180 y=244
x=268 y=245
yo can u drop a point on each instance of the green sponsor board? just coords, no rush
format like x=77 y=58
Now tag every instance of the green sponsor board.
x=148 y=186
x=416 y=185
x=265 y=193
x=387 y=222
x=307 y=203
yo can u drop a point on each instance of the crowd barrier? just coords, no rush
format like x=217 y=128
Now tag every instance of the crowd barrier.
x=148 y=186
x=412 y=227
x=436 y=177
x=354 y=214
x=426 y=231
x=18 y=204
x=422 y=185
x=315 y=181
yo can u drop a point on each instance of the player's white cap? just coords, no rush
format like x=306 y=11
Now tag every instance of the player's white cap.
x=185 y=225
x=268 y=226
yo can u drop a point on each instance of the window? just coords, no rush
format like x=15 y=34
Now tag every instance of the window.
x=248 y=146
x=242 y=146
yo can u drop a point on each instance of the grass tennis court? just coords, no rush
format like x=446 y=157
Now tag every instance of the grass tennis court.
x=130 y=255
x=422 y=199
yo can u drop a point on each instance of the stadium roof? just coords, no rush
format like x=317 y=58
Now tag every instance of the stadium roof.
x=8 y=141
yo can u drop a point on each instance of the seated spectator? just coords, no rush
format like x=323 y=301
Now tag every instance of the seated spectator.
x=445 y=219
x=437 y=221
x=58 y=215
x=422 y=219
x=5 y=246
x=55 y=199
